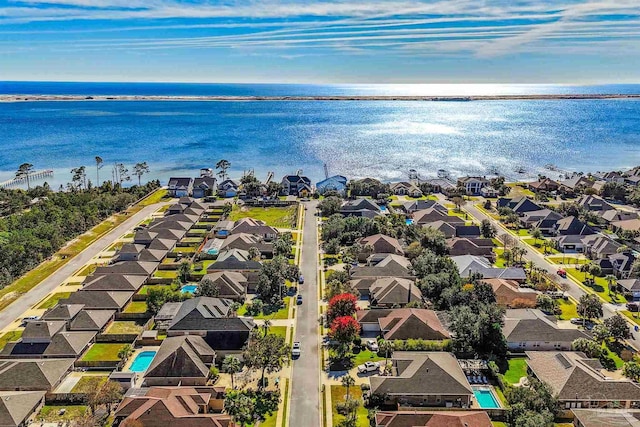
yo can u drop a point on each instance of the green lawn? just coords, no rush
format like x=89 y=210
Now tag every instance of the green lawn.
x=103 y=352
x=367 y=356
x=184 y=250
x=156 y=197
x=166 y=274
x=282 y=313
x=53 y=300
x=124 y=327
x=634 y=317
x=600 y=286
x=145 y=289
x=517 y=369
x=136 y=307
x=8 y=337
x=537 y=245
x=338 y=395
x=614 y=356
x=88 y=270
x=205 y=264
x=50 y=413
x=87 y=383
x=116 y=246
x=275 y=217
x=559 y=259
x=280 y=331
x=498 y=424
x=569 y=309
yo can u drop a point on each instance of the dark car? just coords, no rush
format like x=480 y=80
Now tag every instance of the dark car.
x=299 y=299
x=301 y=279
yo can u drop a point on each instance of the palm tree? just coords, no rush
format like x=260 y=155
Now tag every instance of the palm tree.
x=99 y=162
x=611 y=281
x=266 y=325
x=231 y=365
x=387 y=348
x=24 y=171
x=347 y=381
x=536 y=234
x=140 y=169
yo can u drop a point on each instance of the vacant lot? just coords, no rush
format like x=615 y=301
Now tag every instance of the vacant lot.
x=275 y=217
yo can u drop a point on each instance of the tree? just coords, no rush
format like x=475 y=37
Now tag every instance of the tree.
x=158 y=296
x=223 y=166
x=546 y=303
x=24 y=170
x=618 y=327
x=330 y=205
x=590 y=348
x=458 y=201
x=386 y=347
x=254 y=253
x=206 y=288
x=89 y=420
x=122 y=173
x=266 y=353
x=125 y=353
x=631 y=370
x=272 y=277
x=341 y=305
x=347 y=382
x=283 y=244
x=140 y=169
x=518 y=253
x=231 y=365
x=184 y=271
x=534 y=403
x=536 y=233
x=611 y=282
x=79 y=177
x=601 y=333
x=477 y=330
x=110 y=393
x=414 y=250
x=595 y=270
x=344 y=329
x=590 y=307
x=99 y=163
x=335 y=287
x=487 y=229
x=239 y=406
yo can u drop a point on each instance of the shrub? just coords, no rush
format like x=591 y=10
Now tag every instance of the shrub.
x=255 y=307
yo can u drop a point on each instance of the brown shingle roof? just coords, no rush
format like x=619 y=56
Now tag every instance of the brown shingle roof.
x=433 y=419
x=405 y=323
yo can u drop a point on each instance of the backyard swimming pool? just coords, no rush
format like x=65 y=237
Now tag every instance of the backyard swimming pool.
x=189 y=288
x=409 y=221
x=485 y=398
x=142 y=361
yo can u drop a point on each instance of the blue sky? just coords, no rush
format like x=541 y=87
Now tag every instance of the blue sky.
x=333 y=41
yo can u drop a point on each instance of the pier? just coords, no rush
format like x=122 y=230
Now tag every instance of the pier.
x=14 y=182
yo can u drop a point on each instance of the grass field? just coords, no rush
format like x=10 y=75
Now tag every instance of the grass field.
x=103 y=352
x=51 y=413
x=338 y=395
x=53 y=300
x=8 y=337
x=205 y=265
x=166 y=274
x=601 y=287
x=145 y=289
x=86 y=384
x=88 y=270
x=517 y=369
x=124 y=327
x=280 y=331
x=156 y=197
x=367 y=356
x=283 y=313
x=275 y=217
x=569 y=309
x=136 y=307
x=559 y=259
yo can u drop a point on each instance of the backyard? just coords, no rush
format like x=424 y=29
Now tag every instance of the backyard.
x=136 y=307
x=275 y=217
x=61 y=414
x=516 y=370
x=87 y=383
x=103 y=352
x=124 y=327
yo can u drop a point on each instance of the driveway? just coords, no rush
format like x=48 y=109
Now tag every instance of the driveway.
x=305 y=390
x=22 y=304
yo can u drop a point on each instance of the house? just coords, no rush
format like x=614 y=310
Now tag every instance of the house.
x=239 y=261
x=432 y=419
x=433 y=214
x=33 y=374
x=509 y=293
x=632 y=225
x=360 y=207
x=64 y=312
x=180 y=360
x=594 y=203
x=173 y=406
x=489 y=192
x=231 y=284
x=427 y=379
x=477 y=247
x=296 y=185
x=528 y=329
x=613 y=215
x=99 y=300
x=41 y=331
x=176 y=222
x=138 y=252
x=597 y=246
x=403 y=323
x=630 y=288
x=621 y=264
x=613 y=176
x=519 y=205
x=580 y=382
x=470 y=264
x=572 y=226
x=543 y=185
x=179 y=187
x=228 y=188
x=409 y=207
x=572 y=243
x=245 y=241
x=605 y=418
x=447 y=229
x=255 y=227
x=473 y=184
x=91 y=320
x=17 y=406
x=440 y=185
x=337 y=183
x=405 y=188
x=391 y=266
x=381 y=244
x=134 y=268
x=544 y=219
x=114 y=282
x=468 y=231
x=210 y=318
x=576 y=184
x=203 y=186
x=394 y=291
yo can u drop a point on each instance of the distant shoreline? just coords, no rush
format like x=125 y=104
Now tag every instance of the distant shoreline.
x=551 y=97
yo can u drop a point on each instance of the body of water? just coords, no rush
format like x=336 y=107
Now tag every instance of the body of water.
x=383 y=139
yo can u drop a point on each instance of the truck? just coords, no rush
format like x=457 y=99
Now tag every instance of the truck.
x=369 y=367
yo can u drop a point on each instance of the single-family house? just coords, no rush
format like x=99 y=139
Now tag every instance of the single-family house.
x=613 y=215
x=245 y=241
x=296 y=185
x=179 y=187
x=16 y=407
x=114 y=282
x=255 y=227
x=570 y=243
x=430 y=215
x=228 y=188
x=129 y=268
x=580 y=382
x=572 y=226
x=575 y=184
x=230 y=284
x=597 y=246
x=519 y=205
x=433 y=419
x=632 y=225
x=543 y=185
x=529 y=329
x=509 y=293
x=403 y=323
x=239 y=261
x=380 y=244
x=63 y=344
x=33 y=374
x=423 y=379
x=204 y=186
x=621 y=264
x=393 y=292
x=411 y=206
x=594 y=203
x=440 y=185
x=139 y=252
x=91 y=320
x=337 y=183
x=605 y=418
x=489 y=192
x=470 y=264
x=99 y=300
x=405 y=188
x=543 y=219
x=180 y=361
x=478 y=247
x=64 y=312
x=391 y=266
x=630 y=288
x=360 y=207
x=473 y=184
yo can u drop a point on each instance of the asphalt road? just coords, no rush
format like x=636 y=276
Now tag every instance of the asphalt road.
x=22 y=304
x=539 y=260
x=305 y=390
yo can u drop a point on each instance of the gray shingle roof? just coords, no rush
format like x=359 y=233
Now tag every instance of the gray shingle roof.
x=17 y=406
x=527 y=325
x=114 y=282
x=62 y=312
x=40 y=330
x=91 y=320
x=129 y=268
x=69 y=344
x=30 y=374
x=105 y=300
x=181 y=357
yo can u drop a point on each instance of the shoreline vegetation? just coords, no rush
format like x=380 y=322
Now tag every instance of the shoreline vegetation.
x=550 y=97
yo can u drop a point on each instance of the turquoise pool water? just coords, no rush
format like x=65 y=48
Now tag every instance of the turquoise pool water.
x=189 y=288
x=212 y=251
x=485 y=398
x=409 y=221
x=142 y=361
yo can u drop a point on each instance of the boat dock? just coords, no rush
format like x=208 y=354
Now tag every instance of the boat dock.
x=14 y=182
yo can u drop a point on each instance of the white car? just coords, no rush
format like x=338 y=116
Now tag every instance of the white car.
x=369 y=367
x=296 y=349
x=372 y=345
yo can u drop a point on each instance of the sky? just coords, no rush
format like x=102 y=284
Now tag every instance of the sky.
x=331 y=41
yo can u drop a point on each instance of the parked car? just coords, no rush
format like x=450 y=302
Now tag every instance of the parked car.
x=562 y=273
x=576 y=321
x=633 y=306
x=372 y=345
x=301 y=279
x=299 y=299
x=296 y=349
x=369 y=367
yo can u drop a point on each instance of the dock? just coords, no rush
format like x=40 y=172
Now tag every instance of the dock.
x=14 y=182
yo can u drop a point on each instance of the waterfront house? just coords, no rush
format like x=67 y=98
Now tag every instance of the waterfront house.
x=433 y=419
x=581 y=382
x=509 y=293
x=575 y=184
x=204 y=186
x=402 y=324
x=296 y=185
x=380 y=244
x=543 y=185
x=405 y=188
x=180 y=361
x=519 y=205
x=529 y=329
x=470 y=264
x=337 y=183
x=360 y=207
x=473 y=184
x=173 y=406
x=423 y=379
x=230 y=284
x=394 y=292
x=228 y=188
x=441 y=185
x=179 y=187
x=489 y=192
